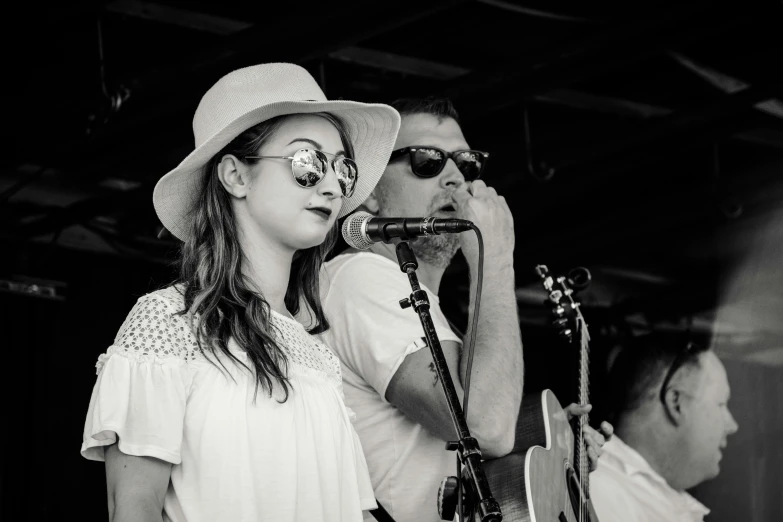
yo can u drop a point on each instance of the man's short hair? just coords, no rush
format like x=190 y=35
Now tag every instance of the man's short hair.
x=638 y=371
x=440 y=107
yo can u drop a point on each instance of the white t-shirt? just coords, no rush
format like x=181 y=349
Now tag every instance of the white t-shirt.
x=625 y=488
x=234 y=457
x=372 y=335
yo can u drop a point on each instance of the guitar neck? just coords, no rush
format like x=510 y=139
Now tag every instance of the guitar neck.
x=580 y=458
x=569 y=320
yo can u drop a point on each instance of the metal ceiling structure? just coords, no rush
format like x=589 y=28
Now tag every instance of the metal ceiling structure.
x=643 y=142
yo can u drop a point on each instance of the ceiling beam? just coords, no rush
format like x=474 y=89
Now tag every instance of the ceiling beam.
x=770 y=137
x=538 y=13
x=178 y=16
x=398 y=63
x=596 y=103
x=726 y=83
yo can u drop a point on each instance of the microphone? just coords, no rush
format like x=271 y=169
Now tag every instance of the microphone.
x=362 y=229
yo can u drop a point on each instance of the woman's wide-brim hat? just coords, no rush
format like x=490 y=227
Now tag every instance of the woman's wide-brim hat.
x=248 y=96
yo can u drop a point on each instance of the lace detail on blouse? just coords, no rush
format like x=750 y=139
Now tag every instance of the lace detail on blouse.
x=155 y=329
x=303 y=349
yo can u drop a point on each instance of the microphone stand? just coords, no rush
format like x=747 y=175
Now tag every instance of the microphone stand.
x=467 y=448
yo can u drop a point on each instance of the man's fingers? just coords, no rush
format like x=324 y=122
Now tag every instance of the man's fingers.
x=460 y=196
x=476 y=187
x=593 y=436
x=575 y=410
x=593 y=456
x=607 y=430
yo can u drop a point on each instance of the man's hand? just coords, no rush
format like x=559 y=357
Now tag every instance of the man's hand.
x=481 y=204
x=594 y=440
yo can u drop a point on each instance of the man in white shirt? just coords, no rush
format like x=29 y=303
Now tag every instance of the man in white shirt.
x=388 y=373
x=672 y=420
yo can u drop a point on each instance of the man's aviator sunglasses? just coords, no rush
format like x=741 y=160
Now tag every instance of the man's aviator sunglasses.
x=309 y=168
x=428 y=162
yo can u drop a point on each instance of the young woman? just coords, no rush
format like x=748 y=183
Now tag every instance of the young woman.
x=213 y=403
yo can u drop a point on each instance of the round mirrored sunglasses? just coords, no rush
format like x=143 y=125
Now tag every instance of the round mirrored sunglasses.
x=309 y=168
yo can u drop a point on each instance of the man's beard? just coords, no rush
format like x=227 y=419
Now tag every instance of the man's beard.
x=436 y=250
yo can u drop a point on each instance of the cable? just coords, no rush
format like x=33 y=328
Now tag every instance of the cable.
x=474 y=323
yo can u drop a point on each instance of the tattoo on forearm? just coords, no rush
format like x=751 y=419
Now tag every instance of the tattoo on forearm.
x=435 y=372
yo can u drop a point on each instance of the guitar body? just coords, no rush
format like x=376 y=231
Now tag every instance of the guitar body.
x=537 y=482
x=546 y=476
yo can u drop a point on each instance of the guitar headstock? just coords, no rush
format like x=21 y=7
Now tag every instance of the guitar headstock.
x=560 y=298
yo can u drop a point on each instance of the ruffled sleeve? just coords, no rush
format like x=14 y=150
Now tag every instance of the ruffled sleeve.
x=143 y=384
x=349 y=411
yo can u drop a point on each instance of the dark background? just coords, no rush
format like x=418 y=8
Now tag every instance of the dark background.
x=652 y=155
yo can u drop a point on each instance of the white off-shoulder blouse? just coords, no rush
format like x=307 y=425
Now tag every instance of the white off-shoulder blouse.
x=236 y=455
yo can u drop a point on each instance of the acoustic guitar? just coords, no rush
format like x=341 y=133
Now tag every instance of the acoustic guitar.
x=545 y=478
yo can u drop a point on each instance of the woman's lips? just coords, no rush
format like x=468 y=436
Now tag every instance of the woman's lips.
x=323 y=212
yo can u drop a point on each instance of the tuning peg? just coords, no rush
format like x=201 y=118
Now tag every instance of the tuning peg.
x=579 y=278
x=561 y=323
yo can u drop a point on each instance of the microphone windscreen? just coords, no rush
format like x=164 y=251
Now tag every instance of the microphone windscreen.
x=353 y=230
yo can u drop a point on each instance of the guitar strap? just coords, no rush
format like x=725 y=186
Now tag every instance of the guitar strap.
x=380 y=514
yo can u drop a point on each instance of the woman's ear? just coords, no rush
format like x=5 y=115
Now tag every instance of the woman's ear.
x=234 y=176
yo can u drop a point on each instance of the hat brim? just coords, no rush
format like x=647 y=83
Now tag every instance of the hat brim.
x=372 y=129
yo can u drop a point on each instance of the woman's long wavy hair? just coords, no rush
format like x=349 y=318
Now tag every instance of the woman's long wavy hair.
x=223 y=302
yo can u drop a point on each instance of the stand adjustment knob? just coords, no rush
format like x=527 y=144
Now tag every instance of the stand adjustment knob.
x=405 y=303
x=447 y=498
